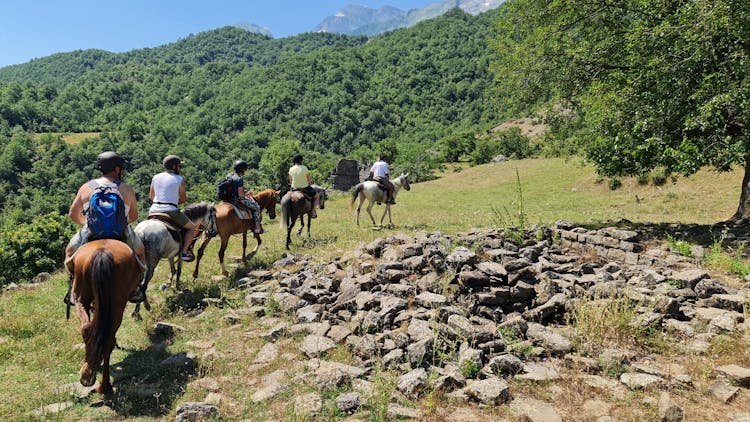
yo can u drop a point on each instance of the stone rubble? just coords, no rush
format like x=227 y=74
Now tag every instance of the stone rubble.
x=452 y=312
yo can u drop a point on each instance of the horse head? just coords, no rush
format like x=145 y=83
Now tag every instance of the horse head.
x=322 y=195
x=267 y=200
x=404 y=179
x=202 y=214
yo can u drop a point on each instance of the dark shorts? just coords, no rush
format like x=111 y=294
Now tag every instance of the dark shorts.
x=178 y=217
x=308 y=191
x=384 y=182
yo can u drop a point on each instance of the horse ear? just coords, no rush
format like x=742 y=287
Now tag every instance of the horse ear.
x=406 y=175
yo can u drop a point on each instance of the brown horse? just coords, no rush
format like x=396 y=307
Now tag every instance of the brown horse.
x=294 y=205
x=105 y=274
x=227 y=223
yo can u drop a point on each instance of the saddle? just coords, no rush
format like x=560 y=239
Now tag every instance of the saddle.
x=176 y=231
x=242 y=211
x=307 y=197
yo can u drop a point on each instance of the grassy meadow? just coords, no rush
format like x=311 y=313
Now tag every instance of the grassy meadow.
x=41 y=352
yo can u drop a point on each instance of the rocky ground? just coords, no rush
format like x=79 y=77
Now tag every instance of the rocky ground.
x=493 y=325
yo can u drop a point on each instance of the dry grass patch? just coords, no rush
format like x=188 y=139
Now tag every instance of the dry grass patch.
x=608 y=323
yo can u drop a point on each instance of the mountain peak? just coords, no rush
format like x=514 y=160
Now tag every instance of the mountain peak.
x=354 y=19
x=250 y=27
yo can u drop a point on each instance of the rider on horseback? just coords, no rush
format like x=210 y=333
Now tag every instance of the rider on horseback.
x=244 y=196
x=166 y=193
x=112 y=167
x=380 y=173
x=300 y=180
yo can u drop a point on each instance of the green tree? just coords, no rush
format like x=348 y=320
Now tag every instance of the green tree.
x=649 y=83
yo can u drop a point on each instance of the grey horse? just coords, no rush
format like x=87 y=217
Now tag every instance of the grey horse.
x=371 y=191
x=160 y=244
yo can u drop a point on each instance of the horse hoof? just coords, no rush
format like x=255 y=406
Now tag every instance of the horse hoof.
x=105 y=389
x=87 y=380
x=136 y=316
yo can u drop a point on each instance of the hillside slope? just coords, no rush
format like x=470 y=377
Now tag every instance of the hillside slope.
x=219 y=354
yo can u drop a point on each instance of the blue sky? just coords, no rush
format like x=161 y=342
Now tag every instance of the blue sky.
x=37 y=28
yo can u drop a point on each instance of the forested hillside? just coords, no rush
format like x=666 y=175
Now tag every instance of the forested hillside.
x=228 y=94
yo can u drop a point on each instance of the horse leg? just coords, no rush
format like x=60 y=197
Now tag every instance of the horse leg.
x=308 y=225
x=359 y=207
x=257 y=239
x=200 y=255
x=222 y=249
x=177 y=272
x=244 y=247
x=370 y=204
x=289 y=232
x=105 y=387
x=87 y=374
x=302 y=223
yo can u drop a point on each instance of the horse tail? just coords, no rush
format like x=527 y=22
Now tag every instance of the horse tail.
x=102 y=274
x=285 y=204
x=355 y=192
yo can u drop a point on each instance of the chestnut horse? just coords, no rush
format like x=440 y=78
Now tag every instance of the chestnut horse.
x=105 y=273
x=225 y=222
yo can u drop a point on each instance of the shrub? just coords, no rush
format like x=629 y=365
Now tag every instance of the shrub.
x=26 y=249
x=510 y=143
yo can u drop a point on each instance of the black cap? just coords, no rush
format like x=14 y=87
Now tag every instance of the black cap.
x=107 y=161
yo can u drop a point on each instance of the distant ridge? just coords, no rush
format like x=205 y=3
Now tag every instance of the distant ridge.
x=362 y=20
x=251 y=27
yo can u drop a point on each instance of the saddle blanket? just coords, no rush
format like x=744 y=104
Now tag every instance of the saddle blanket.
x=241 y=213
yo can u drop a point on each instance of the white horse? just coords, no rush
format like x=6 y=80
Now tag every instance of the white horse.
x=372 y=191
x=160 y=243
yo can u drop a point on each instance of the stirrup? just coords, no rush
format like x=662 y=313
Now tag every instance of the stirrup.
x=187 y=257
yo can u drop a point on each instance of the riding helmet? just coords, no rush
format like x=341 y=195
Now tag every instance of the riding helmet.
x=107 y=161
x=240 y=166
x=171 y=161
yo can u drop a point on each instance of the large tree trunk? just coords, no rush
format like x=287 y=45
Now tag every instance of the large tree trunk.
x=742 y=216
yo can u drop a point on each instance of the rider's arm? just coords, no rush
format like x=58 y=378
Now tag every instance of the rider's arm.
x=76 y=208
x=309 y=179
x=151 y=193
x=183 y=193
x=128 y=195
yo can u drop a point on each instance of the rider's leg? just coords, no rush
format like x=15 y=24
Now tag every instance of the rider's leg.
x=189 y=230
x=255 y=209
x=75 y=242
x=391 y=193
x=258 y=224
x=136 y=245
x=315 y=204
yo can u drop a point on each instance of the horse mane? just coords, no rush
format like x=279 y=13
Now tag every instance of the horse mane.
x=196 y=211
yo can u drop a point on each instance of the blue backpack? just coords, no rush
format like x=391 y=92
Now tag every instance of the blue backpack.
x=105 y=216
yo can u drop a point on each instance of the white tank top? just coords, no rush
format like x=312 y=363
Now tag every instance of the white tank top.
x=166 y=192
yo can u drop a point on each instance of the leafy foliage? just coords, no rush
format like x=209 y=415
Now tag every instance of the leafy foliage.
x=639 y=84
x=227 y=94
